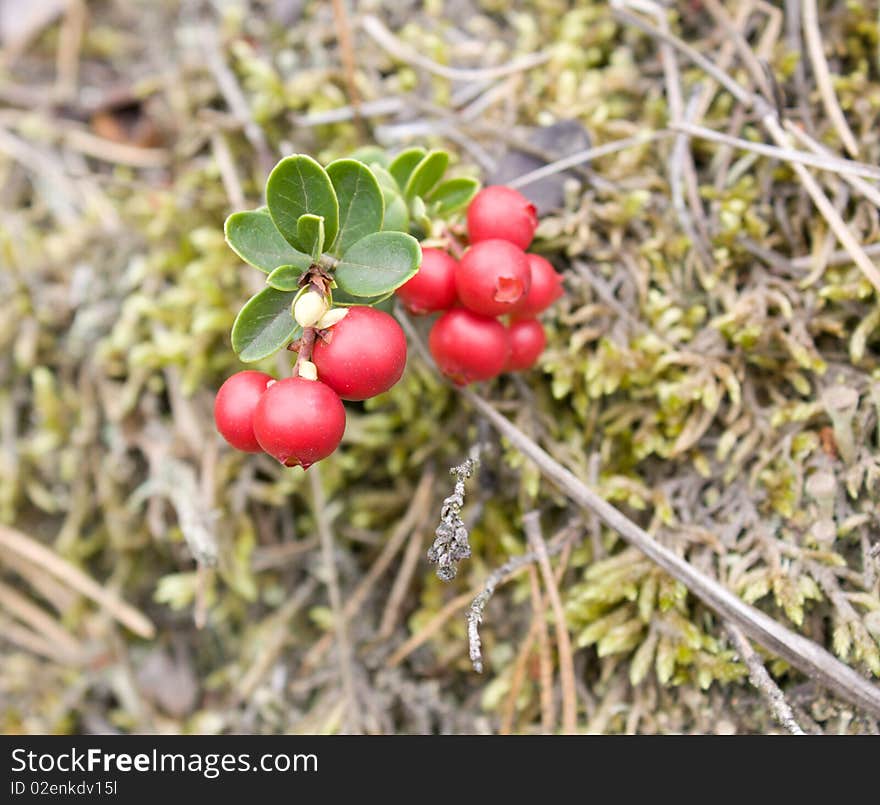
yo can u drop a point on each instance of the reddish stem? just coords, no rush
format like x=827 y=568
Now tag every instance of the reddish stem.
x=306 y=345
x=453 y=243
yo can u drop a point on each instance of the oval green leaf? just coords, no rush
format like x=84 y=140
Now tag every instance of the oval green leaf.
x=453 y=194
x=344 y=299
x=361 y=206
x=285 y=278
x=264 y=325
x=370 y=155
x=396 y=213
x=378 y=263
x=310 y=234
x=299 y=186
x=426 y=174
x=255 y=239
x=404 y=163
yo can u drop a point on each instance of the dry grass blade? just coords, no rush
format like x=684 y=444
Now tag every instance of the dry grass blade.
x=813 y=38
x=400 y=50
x=33 y=551
x=825 y=162
x=340 y=618
x=532 y=525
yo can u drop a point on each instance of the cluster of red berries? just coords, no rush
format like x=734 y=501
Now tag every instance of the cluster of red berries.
x=300 y=420
x=494 y=277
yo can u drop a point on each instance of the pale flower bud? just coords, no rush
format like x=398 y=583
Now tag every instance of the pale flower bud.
x=332 y=317
x=308 y=370
x=309 y=308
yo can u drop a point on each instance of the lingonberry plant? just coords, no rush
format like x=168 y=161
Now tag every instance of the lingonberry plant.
x=333 y=242
x=493 y=278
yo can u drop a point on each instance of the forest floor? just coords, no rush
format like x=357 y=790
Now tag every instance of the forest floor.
x=708 y=183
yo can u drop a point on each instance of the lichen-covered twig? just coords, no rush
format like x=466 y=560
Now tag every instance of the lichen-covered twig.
x=451 y=545
x=478 y=605
x=763 y=681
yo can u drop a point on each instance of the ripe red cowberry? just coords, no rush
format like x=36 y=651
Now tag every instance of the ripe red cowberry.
x=545 y=288
x=364 y=355
x=433 y=287
x=501 y=212
x=299 y=421
x=467 y=346
x=234 y=408
x=527 y=342
x=492 y=277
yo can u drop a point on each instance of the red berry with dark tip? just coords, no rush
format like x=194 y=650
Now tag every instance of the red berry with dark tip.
x=433 y=287
x=501 y=212
x=468 y=347
x=363 y=355
x=492 y=277
x=527 y=342
x=299 y=421
x=234 y=408
x=545 y=288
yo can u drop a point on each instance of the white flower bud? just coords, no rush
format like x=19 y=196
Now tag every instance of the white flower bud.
x=308 y=370
x=332 y=317
x=309 y=308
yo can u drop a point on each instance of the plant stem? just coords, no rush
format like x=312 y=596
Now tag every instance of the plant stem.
x=306 y=345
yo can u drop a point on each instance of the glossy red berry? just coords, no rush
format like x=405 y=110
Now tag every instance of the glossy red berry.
x=364 y=354
x=501 y=212
x=545 y=288
x=527 y=342
x=492 y=277
x=234 y=408
x=433 y=287
x=468 y=347
x=299 y=421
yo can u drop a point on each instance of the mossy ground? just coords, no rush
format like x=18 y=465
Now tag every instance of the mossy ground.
x=685 y=379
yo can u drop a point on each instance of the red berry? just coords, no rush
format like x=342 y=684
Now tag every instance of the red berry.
x=433 y=287
x=364 y=355
x=527 y=342
x=234 y=408
x=468 y=347
x=299 y=421
x=492 y=277
x=501 y=212
x=545 y=288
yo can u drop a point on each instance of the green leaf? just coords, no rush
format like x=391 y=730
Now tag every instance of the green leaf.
x=264 y=325
x=419 y=215
x=310 y=234
x=255 y=239
x=453 y=194
x=378 y=264
x=396 y=212
x=370 y=155
x=404 y=163
x=285 y=278
x=298 y=186
x=344 y=299
x=361 y=206
x=426 y=174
